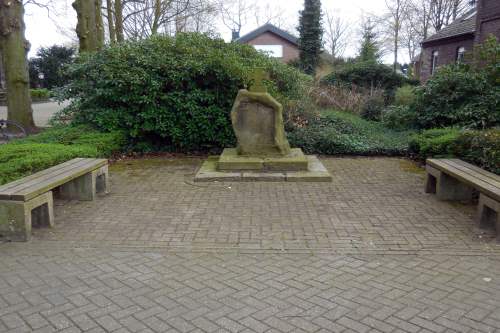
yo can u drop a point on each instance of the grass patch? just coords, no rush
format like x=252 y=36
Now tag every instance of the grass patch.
x=342 y=133
x=23 y=157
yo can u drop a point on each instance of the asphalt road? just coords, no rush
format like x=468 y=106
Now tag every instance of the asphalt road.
x=42 y=112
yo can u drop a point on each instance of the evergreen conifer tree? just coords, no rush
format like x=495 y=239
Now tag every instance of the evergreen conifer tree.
x=369 y=50
x=311 y=34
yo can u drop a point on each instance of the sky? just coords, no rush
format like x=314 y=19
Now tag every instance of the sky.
x=45 y=29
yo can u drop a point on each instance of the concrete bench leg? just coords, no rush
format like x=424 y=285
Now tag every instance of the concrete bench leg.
x=102 y=180
x=488 y=213
x=84 y=188
x=446 y=187
x=17 y=217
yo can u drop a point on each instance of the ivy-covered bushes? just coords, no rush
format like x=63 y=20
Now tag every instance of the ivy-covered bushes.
x=480 y=147
x=21 y=158
x=176 y=93
x=342 y=133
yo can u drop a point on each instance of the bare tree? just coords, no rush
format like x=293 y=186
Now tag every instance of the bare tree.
x=269 y=14
x=416 y=27
x=235 y=14
x=443 y=12
x=14 y=48
x=336 y=33
x=143 y=18
x=397 y=11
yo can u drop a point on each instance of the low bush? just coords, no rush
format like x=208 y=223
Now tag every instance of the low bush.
x=372 y=109
x=40 y=94
x=480 y=147
x=435 y=142
x=341 y=133
x=404 y=95
x=23 y=157
x=398 y=117
x=368 y=75
x=176 y=93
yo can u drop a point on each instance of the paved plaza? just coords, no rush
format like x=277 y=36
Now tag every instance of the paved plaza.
x=369 y=252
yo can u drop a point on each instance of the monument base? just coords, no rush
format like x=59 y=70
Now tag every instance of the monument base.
x=210 y=171
x=231 y=161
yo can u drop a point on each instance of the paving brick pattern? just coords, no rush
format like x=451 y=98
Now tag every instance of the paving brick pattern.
x=369 y=252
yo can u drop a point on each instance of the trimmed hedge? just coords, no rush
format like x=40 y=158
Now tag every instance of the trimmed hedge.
x=481 y=148
x=23 y=157
x=175 y=93
x=341 y=133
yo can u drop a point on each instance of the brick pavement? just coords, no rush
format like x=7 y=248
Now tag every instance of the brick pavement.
x=369 y=252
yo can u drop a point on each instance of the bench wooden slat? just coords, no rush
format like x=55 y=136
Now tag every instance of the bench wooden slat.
x=49 y=180
x=49 y=175
x=471 y=180
x=477 y=169
x=473 y=173
x=52 y=181
x=5 y=188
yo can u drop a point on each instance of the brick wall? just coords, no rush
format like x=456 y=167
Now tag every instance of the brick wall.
x=488 y=19
x=447 y=53
x=290 y=51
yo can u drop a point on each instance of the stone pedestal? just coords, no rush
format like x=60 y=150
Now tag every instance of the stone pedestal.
x=263 y=151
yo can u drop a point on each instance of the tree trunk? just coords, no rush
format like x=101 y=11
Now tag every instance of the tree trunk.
x=14 y=48
x=119 y=21
x=89 y=27
x=396 y=49
x=111 y=24
x=156 y=17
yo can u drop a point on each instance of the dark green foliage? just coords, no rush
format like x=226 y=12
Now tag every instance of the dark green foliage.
x=56 y=145
x=458 y=96
x=39 y=94
x=463 y=95
x=50 y=62
x=174 y=93
x=369 y=50
x=398 y=117
x=373 y=107
x=369 y=75
x=479 y=147
x=435 y=142
x=340 y=133
x=404 y=95
x=311 y=35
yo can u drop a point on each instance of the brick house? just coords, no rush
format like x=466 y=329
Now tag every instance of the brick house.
x=279 y=43
x=452 y=43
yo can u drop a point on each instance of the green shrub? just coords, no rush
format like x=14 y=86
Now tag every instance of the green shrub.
x=458 y=96
x=435 y=142
x=341 y=133
x=40 y=94
x=399 y=117
x=372 y=108
x=21 y=158
x=368 y=75
x=463 y=95
x=404 y=95
x=481 y=148
x=175 y=93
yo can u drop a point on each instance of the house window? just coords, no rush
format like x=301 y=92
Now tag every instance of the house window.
x=460 y=54
x=434 y=61
x=275 y=51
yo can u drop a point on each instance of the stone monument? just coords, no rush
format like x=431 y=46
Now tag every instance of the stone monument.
x=263 y=151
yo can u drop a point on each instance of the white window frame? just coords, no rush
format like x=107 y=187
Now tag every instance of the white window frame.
x=460 y=54
x=275 y=50
x=434 y=60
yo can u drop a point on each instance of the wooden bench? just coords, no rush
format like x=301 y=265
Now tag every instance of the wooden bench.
x=28 y=201
x=453 y=179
